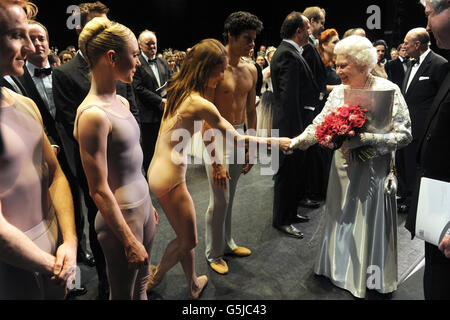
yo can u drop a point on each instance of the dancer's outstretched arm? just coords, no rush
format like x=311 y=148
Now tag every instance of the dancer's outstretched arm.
x=202 y=109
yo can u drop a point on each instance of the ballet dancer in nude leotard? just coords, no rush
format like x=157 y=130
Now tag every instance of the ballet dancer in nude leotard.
x=108 y=136
x=38 y=243
x=186 y=102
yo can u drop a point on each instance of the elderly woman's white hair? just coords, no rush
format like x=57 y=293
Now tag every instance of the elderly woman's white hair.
x=359 y=50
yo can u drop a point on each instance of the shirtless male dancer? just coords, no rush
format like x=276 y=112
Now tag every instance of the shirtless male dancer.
x=235 y=98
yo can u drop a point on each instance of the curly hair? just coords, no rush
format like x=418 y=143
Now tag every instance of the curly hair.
x=238 y=22
x=89 y=7
x=359 y=50
x=325 y=37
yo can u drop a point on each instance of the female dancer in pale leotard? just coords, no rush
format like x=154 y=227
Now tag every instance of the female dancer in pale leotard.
x=36 y=206
x=108 y=136
x=186 y=102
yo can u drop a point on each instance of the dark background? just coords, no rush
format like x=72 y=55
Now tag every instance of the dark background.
x=180 y=24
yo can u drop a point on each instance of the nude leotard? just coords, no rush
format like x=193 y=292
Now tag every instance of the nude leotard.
x=124 y=157
x=130 y=189
x=25 y=199
x=168 y=167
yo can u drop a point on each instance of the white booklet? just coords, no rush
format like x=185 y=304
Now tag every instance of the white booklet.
x=433 y=210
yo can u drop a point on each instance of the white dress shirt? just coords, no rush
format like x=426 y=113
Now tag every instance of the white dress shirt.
x=416 y=67
x=154 y=68
x=296 y=46
x=44 y=86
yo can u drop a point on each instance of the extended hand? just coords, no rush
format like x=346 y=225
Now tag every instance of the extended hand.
x=444 y=246
x=136 y=254
x=284 y=144
x=220 y=175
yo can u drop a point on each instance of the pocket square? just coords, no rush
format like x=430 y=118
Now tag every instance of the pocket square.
x=424 y=78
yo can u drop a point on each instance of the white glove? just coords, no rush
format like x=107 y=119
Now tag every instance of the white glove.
x=390 y=184
x=300 y=142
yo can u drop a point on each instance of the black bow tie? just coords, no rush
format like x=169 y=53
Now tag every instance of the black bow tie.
x=414 y=61
x=41 y=72
x=151 y=61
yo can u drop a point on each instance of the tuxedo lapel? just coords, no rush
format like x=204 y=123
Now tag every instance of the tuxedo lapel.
x=147 y=68
x=405 y=80
x=308 y=70
x=22 y=91
x=163 y=76
x=423 y=66
x=30 y=87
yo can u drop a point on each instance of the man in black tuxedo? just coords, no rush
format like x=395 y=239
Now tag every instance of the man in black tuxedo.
x=294 y=91
x=433 y=154
x=397 y=68
x=149 y=78
x=71 y=84
x=315 y=157
x=422 y=81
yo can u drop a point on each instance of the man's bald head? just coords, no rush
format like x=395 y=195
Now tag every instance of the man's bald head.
x=416 y=42
x=421 y=35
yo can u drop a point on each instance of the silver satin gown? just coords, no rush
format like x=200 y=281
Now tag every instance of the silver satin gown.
x=359 y=243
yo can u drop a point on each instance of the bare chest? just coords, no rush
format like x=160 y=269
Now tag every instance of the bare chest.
x=237 y=82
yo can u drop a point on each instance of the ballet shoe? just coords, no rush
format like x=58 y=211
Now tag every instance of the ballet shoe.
x=219 y=266
x=241 y=252
x=202 y=282
x=152 y=283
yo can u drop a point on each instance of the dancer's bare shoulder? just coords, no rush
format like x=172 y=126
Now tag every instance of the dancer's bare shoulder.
x=196 y=107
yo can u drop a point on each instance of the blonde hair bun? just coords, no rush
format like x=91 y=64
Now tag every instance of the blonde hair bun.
x=100 y=35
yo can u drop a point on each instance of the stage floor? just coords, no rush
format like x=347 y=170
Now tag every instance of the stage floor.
x=280 y=267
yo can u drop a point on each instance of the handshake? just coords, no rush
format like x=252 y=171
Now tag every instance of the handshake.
x=286 y=145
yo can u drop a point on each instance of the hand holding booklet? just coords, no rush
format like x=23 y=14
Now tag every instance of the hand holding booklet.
x=162 y=90
x=433 y=210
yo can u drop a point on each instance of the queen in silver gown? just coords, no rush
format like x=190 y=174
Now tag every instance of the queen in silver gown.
x=358 y=249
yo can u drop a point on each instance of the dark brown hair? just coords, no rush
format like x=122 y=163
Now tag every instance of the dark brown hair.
x=194 y=73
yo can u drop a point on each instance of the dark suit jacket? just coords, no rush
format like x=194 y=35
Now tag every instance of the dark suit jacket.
x=31 y=92
x=145 y=85
x=293 y=89
x=71 y=84
x=395 y=71
x=6 y=84
x=421 y=93
x=312 y=57
x=434 y=145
